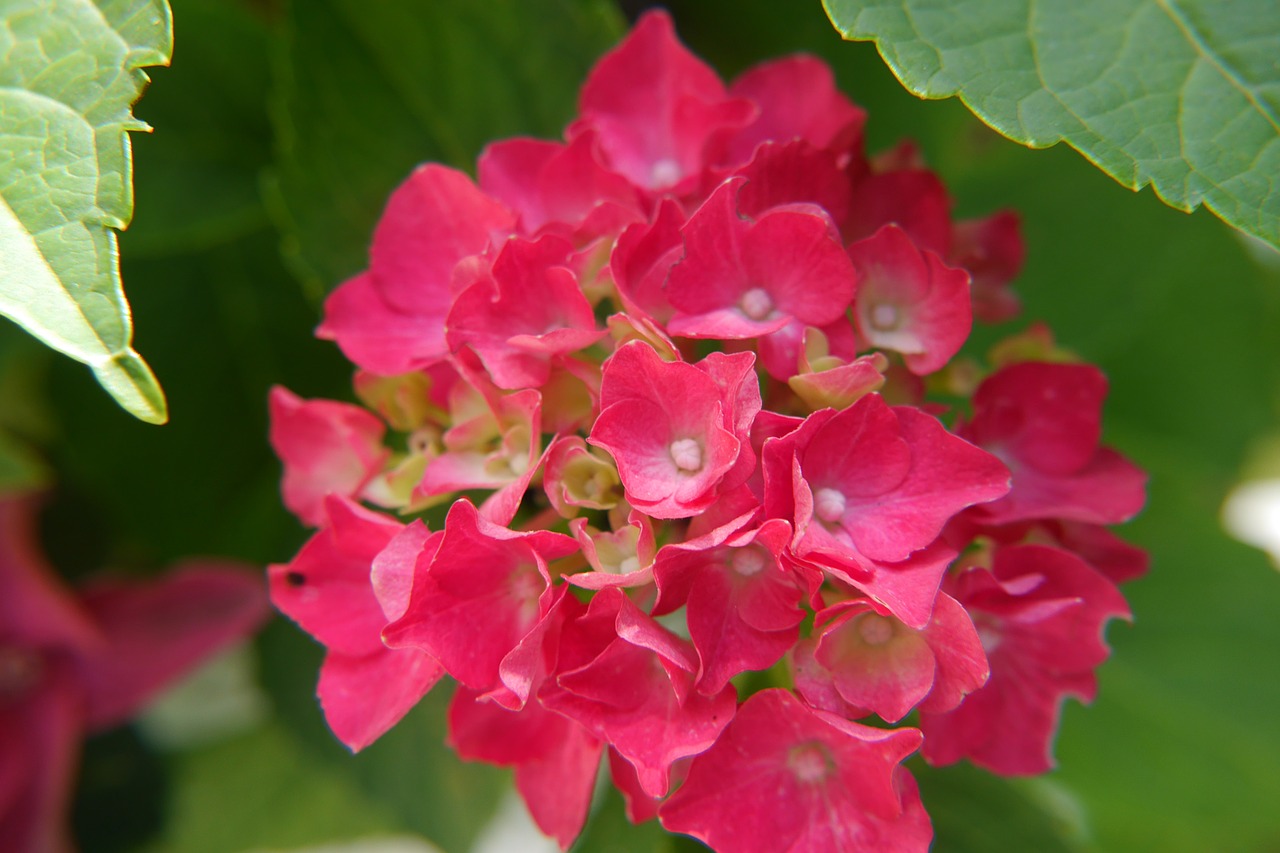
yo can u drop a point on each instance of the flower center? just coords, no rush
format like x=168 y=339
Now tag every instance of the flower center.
x=828 y=505
x=686 y=453
x=884 y=317
x=747 y=561
x=810 y=762
x=664 y=173
x=756 y=303
x=875 y=630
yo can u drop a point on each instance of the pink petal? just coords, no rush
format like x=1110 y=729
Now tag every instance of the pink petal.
x=326 y=588
x=876 y=662
x=485 y=588
x=40 y=737
x=432 y=221
x=157 y=631
x=656 y=107
x=327 y=447
x=909 y=300
x=36 y=609
x=783 y=777
x=797 y=99
x=363 y=696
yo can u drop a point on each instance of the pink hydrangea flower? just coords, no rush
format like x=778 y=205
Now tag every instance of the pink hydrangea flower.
x=744 y=279
x=685 y=389
x=390 y=319
x=864 y=661
x=787 y=777
x=631 y=682
x=524 y=311
x=659 y=113
x=1040 y=613
x=1044 y=420
x=365 y=687
x=910 y=301
x=673 y=429
x=868 y=491
x=327 y=448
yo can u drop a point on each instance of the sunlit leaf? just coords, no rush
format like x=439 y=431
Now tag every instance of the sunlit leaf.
x=70 y=73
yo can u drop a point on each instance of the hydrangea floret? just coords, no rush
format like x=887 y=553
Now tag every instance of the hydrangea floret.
x=668 y=454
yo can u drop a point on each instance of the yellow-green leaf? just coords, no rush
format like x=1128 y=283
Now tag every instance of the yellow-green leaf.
x=70 y=71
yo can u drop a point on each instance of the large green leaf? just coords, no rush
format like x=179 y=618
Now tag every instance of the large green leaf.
x=70 y=73
x=366 y=91
x=1180 y=94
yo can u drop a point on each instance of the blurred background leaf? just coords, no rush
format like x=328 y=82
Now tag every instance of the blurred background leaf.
x=1181 y=94
x=71 y=71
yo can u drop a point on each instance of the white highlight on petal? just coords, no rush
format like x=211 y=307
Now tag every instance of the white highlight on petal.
x=828 y=505
x=756 y=303
x=686 y=453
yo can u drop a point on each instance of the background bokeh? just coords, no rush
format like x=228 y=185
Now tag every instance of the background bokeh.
x=279 y=131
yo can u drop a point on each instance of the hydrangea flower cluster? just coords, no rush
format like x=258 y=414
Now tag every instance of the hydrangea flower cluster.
x=678 y=381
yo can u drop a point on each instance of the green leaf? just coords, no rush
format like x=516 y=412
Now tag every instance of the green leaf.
x=1180 y=94
x=366 y=91
x=70 y=73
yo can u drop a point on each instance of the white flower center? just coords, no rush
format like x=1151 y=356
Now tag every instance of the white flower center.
x=747 y=561
x=828 y=505
x=686 y=453
x=810 y=762
x=664 y=173
x=884 y=316
x=875 y=630
x=756 y=303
